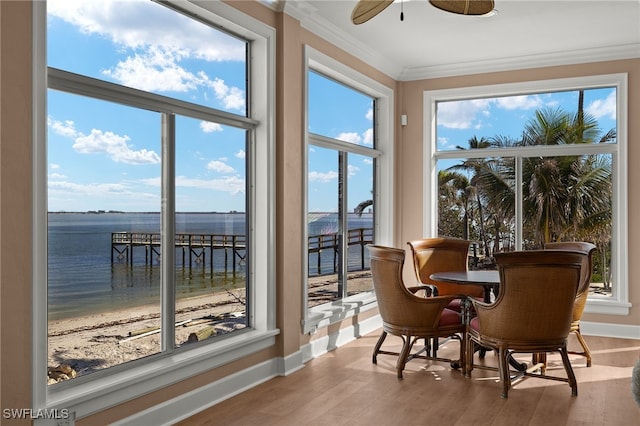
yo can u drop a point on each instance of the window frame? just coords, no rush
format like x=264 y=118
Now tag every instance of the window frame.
x=328 y=313
x=618 y=302
x=95 y=392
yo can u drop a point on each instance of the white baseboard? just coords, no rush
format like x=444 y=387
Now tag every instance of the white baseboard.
x=190 y=403
x=325 y=344
x=622 y=331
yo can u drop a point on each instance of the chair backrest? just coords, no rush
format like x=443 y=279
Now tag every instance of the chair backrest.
x=396 y=304
x=537 y=292
x=442 y=254
x=585 y=272
x=581 y=246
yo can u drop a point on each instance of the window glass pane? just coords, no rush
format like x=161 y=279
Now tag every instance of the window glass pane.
x=211 y=237
x=551 y=118
x=147 y=46
x=476 y=201
x=103 y=233
x=323 y=224
x=570 y=199
x=339 y=112
x=359 y=223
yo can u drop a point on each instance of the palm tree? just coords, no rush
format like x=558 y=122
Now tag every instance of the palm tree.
x=563 y=192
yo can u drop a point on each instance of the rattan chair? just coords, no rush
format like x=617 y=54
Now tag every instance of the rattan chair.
x=532 y=312
x=405 y=314
x=441 y=254
x=583 y=290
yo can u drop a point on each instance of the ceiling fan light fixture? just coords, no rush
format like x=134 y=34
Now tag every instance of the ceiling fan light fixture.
x=367 y=9
x=465 y=7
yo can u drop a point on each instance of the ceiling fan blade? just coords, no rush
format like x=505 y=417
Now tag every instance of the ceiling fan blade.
x=464 y=7
x=367 y=9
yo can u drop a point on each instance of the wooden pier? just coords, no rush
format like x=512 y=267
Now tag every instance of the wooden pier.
x=196 y=248
x=199 y=249
x=330 y=242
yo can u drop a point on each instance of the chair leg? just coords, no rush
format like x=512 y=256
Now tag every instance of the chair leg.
x=404 y=354
x=540 y=358
x=463 y=353
x=570 y=375
x=587 y=352
x=505 y=376
x=468 y=356
x=377 y=347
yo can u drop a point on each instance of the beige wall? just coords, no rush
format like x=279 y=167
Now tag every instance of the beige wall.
x=411 y=141
x=15 y=204
x=16 y=192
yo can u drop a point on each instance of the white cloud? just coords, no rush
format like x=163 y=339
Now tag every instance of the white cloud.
x=323 y=177
x=97 y=190
x=56 y=176
x=240 y=154
x=369 y=115
x=54 y=166
x=220 y=167
x=62 y=128
x=99 y=142
x=232 y=184
x=444 y=142
x=209 y=127
x=368 y=137
x=603 y=107
x=352 y=137
x=352 y=170
x=460 y=114
x=115 y=146
x=520 y=102
x=468 y=114
x=135 y=24
x=156 y=70
x=156 y=41
x=231 y=97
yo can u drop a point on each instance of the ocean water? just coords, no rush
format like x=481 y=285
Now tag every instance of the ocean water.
x=82 y=278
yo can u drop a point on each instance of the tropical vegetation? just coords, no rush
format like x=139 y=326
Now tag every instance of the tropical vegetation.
x=564 y=198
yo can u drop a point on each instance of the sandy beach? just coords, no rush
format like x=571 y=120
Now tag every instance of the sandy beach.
x=79 y=346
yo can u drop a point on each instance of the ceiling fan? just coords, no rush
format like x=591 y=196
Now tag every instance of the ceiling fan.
x=367 y=9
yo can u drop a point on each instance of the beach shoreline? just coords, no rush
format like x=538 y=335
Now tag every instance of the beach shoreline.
x=98 y=341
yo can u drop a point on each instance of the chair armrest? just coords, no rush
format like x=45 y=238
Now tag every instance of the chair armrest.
x=429 y=289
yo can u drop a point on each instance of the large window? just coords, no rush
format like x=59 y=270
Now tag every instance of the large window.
x=347 y=154
x=157 y=142
x=515 y=168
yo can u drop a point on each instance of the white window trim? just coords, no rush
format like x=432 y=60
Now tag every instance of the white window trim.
x=86 y=395
x=323 y=315
x=618 y=303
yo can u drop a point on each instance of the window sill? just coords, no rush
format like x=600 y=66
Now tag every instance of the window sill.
x=607 y=307
x=126 y=384
x=329 y=313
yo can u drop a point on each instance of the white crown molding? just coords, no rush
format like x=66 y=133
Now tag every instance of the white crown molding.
x=310 y=20
x=611 y=53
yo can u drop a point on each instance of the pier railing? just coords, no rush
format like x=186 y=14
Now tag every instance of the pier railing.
x=199 y=248
x=328 y=245
x=196 y=248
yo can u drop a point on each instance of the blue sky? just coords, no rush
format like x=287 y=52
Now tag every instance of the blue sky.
x=104 y=156
x=459 y=121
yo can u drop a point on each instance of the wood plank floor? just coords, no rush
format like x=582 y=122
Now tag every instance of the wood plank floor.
x=343 y=387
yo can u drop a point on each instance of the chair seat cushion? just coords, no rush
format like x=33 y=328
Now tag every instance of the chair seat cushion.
x=456 y=304
x=449 y=317
x=474 y=324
